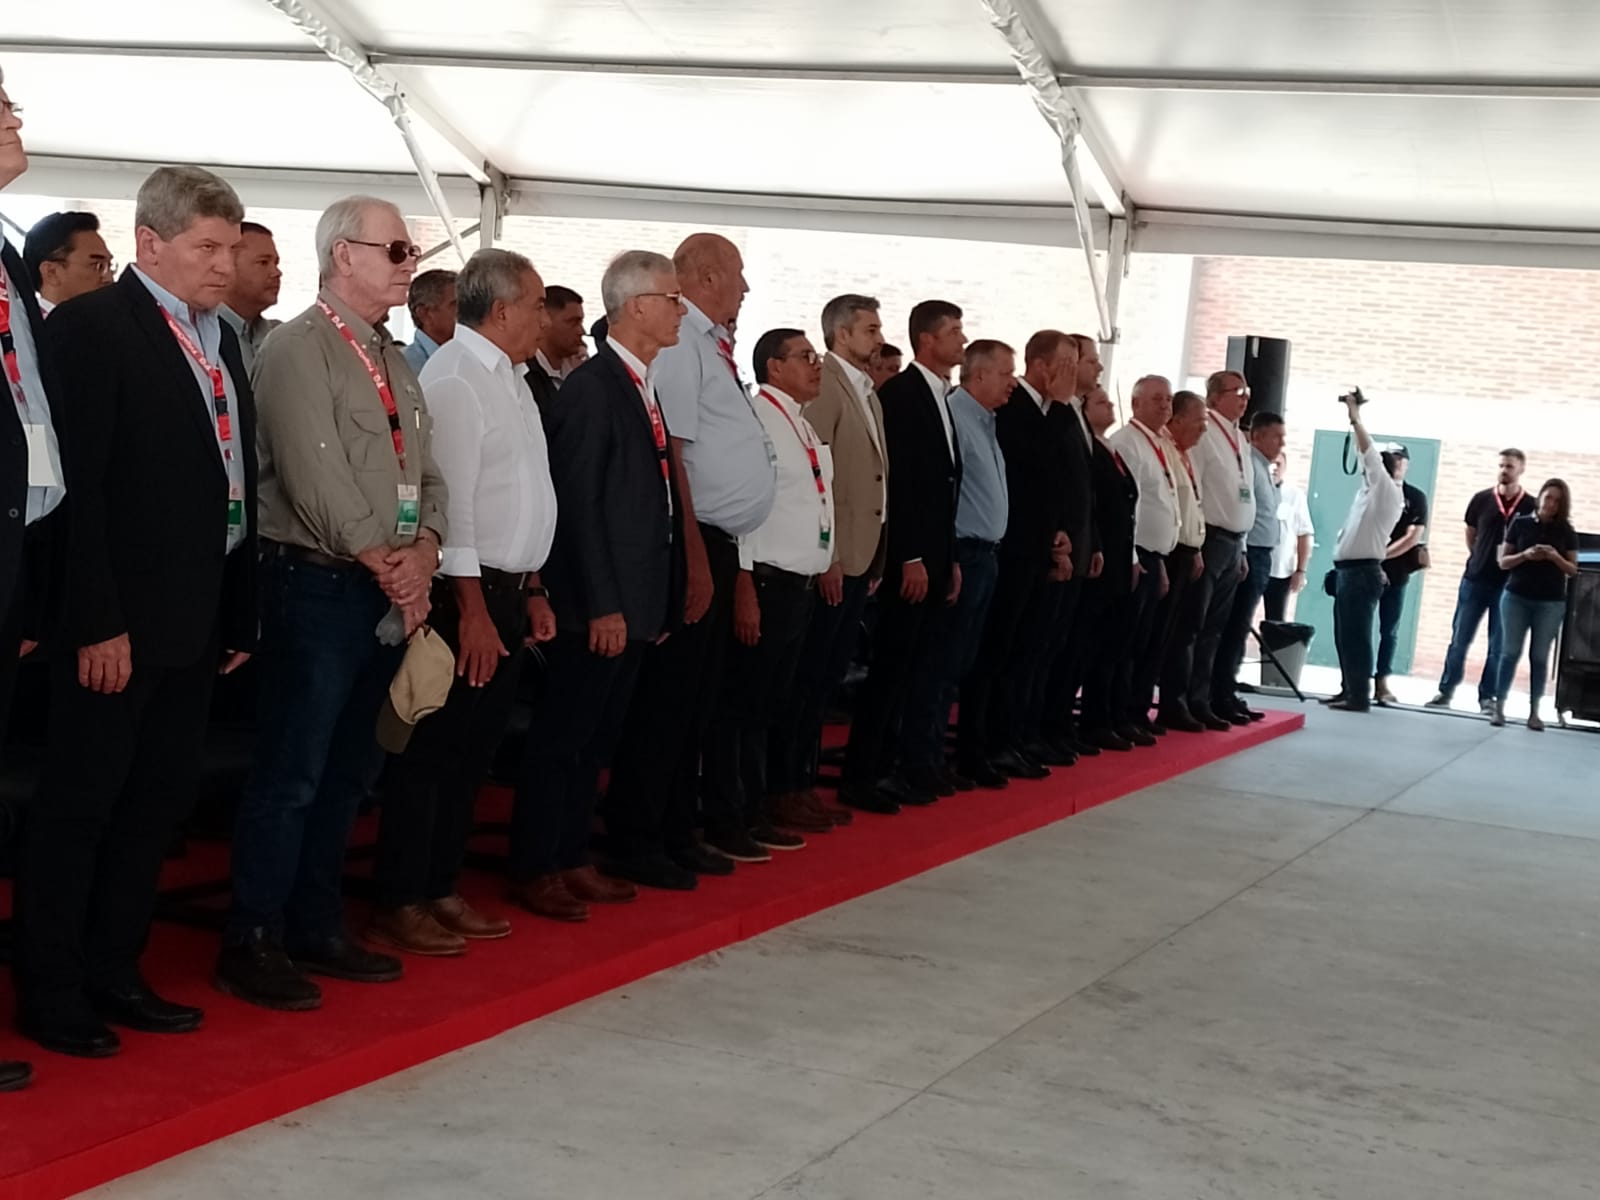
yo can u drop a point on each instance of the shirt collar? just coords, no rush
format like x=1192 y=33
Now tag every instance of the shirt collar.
x=482 y=349
x=1262 y=459
x=364 y=330
x=172 y=304
x=941 y=387
x=960 y=396
x=628 y=357
x=790 y=404
x=45 y=306
x=699 y=320
x=859 y=378
x=544 y=365
x=1034 y=392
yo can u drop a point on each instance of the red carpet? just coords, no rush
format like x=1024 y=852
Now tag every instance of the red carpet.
x=83 y=1123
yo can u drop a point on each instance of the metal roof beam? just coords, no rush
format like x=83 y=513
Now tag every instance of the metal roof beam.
x=1478 y=89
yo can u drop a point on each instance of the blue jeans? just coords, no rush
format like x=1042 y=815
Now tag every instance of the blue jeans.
x=1355 y=604
x=1472 y=601
x=1520 y=616
x=324 y=675
x=1389 y=610
x=1241 y=619
x=934 y=680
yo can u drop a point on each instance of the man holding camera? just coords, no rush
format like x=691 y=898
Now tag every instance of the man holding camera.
x=1358 y=565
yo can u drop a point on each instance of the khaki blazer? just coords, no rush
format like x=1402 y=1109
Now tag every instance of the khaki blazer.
x=859 y=470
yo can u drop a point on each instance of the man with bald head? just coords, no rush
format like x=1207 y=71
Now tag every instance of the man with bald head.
x=728 y=484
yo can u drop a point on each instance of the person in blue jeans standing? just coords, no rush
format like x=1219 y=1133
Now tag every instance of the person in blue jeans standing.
x=1539 y=554
x=1405 y=557
x=1488 y=514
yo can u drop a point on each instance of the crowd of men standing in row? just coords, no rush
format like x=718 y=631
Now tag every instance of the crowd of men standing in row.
x=692 y=557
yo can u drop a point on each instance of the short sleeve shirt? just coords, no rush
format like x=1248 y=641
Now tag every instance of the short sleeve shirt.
x=1539 y=580
x=1484 y=514
x=1415 y=512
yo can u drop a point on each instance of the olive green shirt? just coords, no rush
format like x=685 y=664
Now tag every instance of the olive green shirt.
x=330 y=479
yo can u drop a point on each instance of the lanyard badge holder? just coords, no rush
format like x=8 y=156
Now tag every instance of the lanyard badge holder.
x=220 y=413
x=825 y=528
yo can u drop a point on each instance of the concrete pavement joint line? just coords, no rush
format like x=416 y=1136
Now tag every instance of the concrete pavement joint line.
x=1452 y=761
x=1542 y=833
x=1360 y=815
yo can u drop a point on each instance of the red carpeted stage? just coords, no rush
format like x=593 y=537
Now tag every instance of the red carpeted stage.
x=83 y=1123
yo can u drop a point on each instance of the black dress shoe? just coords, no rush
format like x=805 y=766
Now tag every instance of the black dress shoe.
x=1048 y=754
x=75 y=1031
x=1154 y=728
x=1108 y=739
x=1017 y=765
x=14 y=1076
x=258 y=972
x=703 y=859
x=958 y=781
x=653 y=871
x=1182 y=721
x=1077 y=744
x=1136 y=735
x=929 y=780
x=769 y=837
x=900 y=788
x=340 y=958
x=983 y=774
x=737 y=845
x=138 y=1007
x=867 y=798
x=1233 y=716
x=1210 y=720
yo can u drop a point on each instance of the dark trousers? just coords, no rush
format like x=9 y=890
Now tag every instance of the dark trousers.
x=1355 y=603
x=957 y=630
x=1223 y=552
x=903 y=639
x=1473 y=601
x=30 y=605
x=1389 y=610
x=1241 y=618
x=1141 y=605
x=573 y=733
x=755 y=680
x=1275 y=600
x=1177 y=624
x=1110 y=604
x=120 y=777
x=1046 y=632
x=832 y=635
x=1070 y=674
x=433 y=790
x=324 y=675
x=654 y=799
x=982 y=729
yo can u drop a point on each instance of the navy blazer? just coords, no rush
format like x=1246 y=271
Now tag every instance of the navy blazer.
x=924 y=479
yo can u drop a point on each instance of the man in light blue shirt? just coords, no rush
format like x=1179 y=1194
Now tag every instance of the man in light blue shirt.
x=432 y=302
x=988 y=377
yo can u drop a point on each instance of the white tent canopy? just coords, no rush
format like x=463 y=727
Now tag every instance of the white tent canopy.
x=1453 y=130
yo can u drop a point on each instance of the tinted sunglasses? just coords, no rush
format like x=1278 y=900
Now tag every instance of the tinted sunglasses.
x=398 y=251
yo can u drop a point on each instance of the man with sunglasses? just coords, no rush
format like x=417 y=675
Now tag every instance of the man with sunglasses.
x=352 y=521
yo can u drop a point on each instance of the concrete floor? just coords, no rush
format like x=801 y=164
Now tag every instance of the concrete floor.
x=1359 y=962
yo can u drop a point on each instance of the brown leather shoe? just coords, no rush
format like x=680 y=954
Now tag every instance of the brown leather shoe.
x=414 y=930
x=791 y=810
x=548 y=896
x=459 y=917
x=835 y=813
x=591 y=887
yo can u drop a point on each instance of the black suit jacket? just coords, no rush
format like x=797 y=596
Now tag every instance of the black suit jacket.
x=924 y=478
x=14 y=451
x=1076 y=480
x=1033 y=466
x=147 y=492
x=1116 y=499
x=540 y=384
x=617 y=549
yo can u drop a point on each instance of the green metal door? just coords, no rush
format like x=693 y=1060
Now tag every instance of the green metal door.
x=1330 y=495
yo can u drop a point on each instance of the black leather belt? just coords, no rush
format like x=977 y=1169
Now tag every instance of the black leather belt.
x=304 y=554
x=778 y=575
x=492 y=579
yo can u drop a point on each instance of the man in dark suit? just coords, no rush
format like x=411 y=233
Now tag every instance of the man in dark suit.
x=1106 y=598
x=615 y=577
x=921 y=573
x=159 y=594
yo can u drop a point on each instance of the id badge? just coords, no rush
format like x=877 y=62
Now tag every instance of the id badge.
x=824 y=538
x=1244 y=492
x=410 y=510
x=235 y=507
x=41 y=468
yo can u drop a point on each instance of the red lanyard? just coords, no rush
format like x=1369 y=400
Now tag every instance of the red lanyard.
x=1189 y=467
x=1507 y=509
x=219 y=391
x=1122 y=467
x=1160 y=457
x=8 y=346
x=657 y=426
x=811 y=450
x=382 y=384
x=725 y=348
x=1233 y=442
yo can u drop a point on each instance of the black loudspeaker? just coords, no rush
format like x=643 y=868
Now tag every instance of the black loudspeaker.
x=1264 y=363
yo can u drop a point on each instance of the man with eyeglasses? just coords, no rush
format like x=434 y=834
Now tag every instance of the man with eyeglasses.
x=352 y=521
x=67 y=257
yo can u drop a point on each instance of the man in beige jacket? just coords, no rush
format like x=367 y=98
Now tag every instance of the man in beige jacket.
x=847 y=417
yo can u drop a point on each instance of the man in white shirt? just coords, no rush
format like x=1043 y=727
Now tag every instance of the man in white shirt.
x=1227 y=499
x=779 y=563
x=1358 y=564
x=501 y=513
x=1178 y=615
x=1293 y=552
x=1149 y=457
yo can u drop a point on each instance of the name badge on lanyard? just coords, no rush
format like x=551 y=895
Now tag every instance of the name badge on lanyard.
x=235 y=508
x=41 y=468
x=409 y=519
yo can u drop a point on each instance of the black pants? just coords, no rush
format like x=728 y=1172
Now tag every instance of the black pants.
x=754 y=681
x=120 y=777
x=573 y=733
x=832 y=635
x=1178 y=623
x=1046 y=631
x=1112 y=603
x=653 y=802
x=1140 y=608
x=903 y=638
x=983 y=722
x=432 y=791
x=29 y=608
x=1276 y=598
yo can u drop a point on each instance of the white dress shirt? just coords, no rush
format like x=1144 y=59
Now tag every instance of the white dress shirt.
x=557 y=378
x=798 y=533
x=1191 y=519
x=490 y=447
x=34 y=412
x=1155 y=525
x=1044 y=405
x=861 y=384
x=1294 y=522
x=1222 y=464
x=941 y=396
x=1373 y=516
x=1077 y=407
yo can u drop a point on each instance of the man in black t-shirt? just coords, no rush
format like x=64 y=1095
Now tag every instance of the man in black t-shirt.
x=1488 y=514
x=1405 y=556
